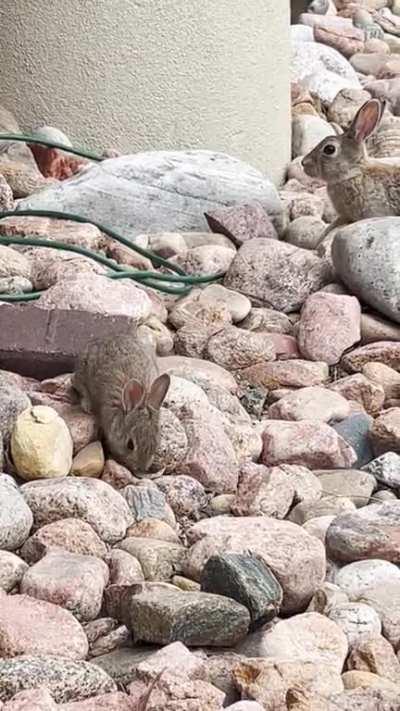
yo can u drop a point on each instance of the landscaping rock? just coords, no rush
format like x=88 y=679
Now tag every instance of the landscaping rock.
x=385 y=432
x=296 y=559
x=329 y=325
x=386 y=469
x=363 y=255
x=159 y=560
x=355 y=430
x=277 y=274
x=12 y=569
x=315 y=446
x=160 y=198
x=371 y=532
x=70 y=580
x=69 y=534
x=66 y=680
x=312 y=404
x=247 y=580
x=360 y=388
x=16 y=517
x=89 y=499
x=36 y=627
x=196 y=619
x=309 y=637
x=41 y=444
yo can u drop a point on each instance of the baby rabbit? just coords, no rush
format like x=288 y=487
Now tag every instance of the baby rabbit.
x=359 y=187
x=118 y=380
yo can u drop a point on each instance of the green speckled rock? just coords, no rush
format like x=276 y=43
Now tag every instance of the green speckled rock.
x=246 y=579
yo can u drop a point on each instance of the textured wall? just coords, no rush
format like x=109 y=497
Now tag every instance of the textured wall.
x=151 y=74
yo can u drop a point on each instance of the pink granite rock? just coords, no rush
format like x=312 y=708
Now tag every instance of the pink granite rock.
x=328 y=326
x=31 y=700
x=286 y=374
x=31 y=626
x=117 y=701
x=347 y=40
x=314 y=404
x=313 y=445
x=387 y=352
x=98 y=294
x=172 y=693
x=385 y=432
x=235 y=348
x=262 y=491
x=85 y=234
x=69 y=534
x=370 y=532
x=360 y=389
x=73 y=581
x=241 y=222
x=277 y=274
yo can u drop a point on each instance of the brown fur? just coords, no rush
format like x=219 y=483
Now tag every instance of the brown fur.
x=359 y=187
x=110 y=376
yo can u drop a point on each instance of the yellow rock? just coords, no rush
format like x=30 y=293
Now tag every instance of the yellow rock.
x=89 y=461
x=366 y=680
x=41 y=444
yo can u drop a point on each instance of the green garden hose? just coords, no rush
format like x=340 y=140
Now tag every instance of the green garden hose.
x=154 y=280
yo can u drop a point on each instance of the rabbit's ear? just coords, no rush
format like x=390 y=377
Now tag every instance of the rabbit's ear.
x=132 y=395
x=158 y=391
x=366 y=120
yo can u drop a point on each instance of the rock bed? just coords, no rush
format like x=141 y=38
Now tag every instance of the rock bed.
x=263 y=563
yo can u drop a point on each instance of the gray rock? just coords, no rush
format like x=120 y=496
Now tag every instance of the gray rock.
x=160 y=191
x=246 y=579
x=305 y=232
x=277 y=274
x=321 y=69
x=12 y=570
x=147 y=501
x=12 y=402
x=16 y=517
x=363 y=256
x=185 y=495
x=355 y=431
x=196 y=619
x=121 y=664
x=307 y=131
x=386 y=469
x=66 y=680
x=92 y=500
x=352 y=483
x=160 y=560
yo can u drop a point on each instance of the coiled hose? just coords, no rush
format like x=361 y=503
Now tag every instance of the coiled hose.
x=159 y=281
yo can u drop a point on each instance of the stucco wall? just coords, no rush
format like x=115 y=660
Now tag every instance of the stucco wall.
x=151 y=74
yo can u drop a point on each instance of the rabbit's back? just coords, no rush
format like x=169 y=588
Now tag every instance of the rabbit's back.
x=107 y=365
x=372 y=192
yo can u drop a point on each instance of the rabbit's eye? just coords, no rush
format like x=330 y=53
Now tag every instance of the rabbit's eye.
x=330 y=149
x=130 y=444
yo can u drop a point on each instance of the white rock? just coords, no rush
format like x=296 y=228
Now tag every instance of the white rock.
x=356 y=619
x=356 y=578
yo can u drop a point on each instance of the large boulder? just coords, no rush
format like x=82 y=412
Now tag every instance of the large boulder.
x=363 y=256
x=159 y=191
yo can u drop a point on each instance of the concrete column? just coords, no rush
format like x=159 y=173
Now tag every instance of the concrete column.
x=153 y=74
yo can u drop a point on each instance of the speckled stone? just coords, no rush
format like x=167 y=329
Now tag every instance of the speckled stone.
x=66 y=681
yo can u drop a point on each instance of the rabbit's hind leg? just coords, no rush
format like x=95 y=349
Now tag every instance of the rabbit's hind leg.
x=84 y=396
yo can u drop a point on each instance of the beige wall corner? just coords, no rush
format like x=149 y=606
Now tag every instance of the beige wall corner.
x=153 y=74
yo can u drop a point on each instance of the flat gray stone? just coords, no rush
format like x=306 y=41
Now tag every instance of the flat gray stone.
x=159 y=191
x=366 y=257
x=196 y=619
